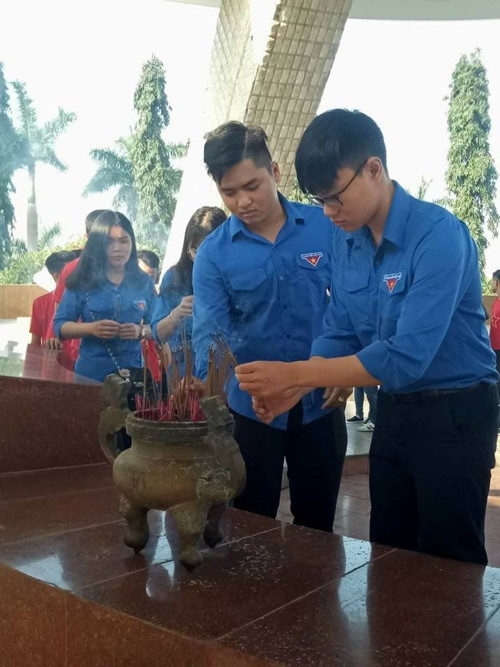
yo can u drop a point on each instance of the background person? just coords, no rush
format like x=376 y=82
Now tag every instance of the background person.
x=108 y=300
x=261 y=282
x=406 y=313
x=70 y=347
x=495 y=320
x=371 y=396
x=149 y=262
x=173 y=313
x=42 y=311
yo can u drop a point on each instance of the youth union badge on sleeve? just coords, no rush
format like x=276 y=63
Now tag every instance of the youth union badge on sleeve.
x=391 y=280
x=312 y=257
x=140 y=304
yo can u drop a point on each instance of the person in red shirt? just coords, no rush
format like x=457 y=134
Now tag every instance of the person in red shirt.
x=495 y=319
x=43 y=307
x=149 y=262
x=71 y=347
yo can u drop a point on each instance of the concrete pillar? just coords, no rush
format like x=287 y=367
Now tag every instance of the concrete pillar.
x=269 y=65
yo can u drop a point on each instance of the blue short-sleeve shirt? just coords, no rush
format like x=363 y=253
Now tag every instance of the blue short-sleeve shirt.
x=126 y=303
x=168 y=299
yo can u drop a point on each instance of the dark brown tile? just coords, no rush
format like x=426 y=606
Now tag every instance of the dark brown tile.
x=83 y=557
x=355 y=465
x=28 y=519
x=236 y=583
x=484 y=649
x=402 y=609
x=219 y=656
x=42 y=483
x=237 y=524
x=32 y=622
x=98 y=637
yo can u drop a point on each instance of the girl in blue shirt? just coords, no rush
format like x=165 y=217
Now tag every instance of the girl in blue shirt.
x=108 y=300
x=172 y=318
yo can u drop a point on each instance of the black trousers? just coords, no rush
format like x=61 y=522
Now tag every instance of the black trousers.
x=315 y=455
x=430 y=466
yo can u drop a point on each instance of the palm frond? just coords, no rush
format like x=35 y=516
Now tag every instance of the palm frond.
x=113 y=170
x=26 y=110
x=48 y=236
x=53 y=128
x=47 y=155
x=177 y=150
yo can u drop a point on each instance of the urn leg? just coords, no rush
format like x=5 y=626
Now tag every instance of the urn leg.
x=212 y=533
x=190 y=518
x=137 y=533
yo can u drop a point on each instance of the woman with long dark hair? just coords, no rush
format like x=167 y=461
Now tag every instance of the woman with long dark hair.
x=108 y=300
x=172 y=318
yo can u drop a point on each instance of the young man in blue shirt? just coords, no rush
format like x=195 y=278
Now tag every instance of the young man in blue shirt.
x=406 y=313
x=261 y=281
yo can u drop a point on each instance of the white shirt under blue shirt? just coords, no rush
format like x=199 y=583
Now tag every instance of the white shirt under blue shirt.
x=266 y=299
x=411 y=309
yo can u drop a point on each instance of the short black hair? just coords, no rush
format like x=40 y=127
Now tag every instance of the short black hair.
x=91 y=218
x=56 y=261
x=149 y=258
x=231 y=143
x=334 y=140
x=496 y=275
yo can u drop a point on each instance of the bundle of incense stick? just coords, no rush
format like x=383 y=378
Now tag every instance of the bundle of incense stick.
x=182 y=402
x=220 y=362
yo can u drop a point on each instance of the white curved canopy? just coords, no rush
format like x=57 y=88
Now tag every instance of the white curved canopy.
x=409 y=9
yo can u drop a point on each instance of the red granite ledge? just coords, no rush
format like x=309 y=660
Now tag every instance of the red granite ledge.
x=48 y=425
x=45 y=627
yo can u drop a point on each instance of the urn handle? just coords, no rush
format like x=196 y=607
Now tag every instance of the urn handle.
x=115 y=390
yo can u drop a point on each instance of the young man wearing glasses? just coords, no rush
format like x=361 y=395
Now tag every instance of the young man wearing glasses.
x=261 y=281
x=406 y=313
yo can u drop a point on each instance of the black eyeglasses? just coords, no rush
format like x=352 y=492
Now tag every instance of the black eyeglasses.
x=335 y=200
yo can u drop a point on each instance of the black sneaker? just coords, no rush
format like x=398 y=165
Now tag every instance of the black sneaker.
x=355 y=418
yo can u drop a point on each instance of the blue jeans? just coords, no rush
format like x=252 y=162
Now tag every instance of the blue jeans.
x=371 y=395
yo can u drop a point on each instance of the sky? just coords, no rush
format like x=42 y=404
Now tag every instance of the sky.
x=86 y=57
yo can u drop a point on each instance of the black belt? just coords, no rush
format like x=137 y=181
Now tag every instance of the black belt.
x=429 y=394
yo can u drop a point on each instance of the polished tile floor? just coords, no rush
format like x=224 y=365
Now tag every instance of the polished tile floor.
x=353 y=512
x=353 y=505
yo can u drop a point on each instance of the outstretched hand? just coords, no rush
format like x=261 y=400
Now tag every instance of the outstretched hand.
x=266 y=379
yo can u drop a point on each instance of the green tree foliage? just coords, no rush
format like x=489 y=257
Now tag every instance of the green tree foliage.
x=40 y=141
x=115 y=170
x=156 y=180
x=11 y=158
x=141 y=166
x=22 y=265
x=296 y=194
x=471 y=175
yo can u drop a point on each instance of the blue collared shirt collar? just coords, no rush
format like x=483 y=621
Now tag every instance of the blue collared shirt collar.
x=236 y=226
x=394 y=228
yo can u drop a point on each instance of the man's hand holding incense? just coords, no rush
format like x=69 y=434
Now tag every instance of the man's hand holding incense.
x=266 y=379
x=271 y=385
